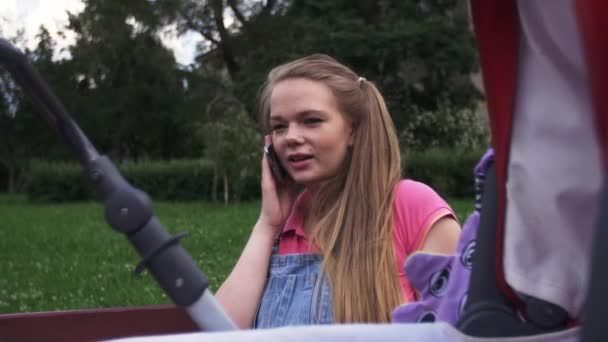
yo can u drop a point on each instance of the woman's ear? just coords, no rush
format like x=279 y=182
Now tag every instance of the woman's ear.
x=351 y=137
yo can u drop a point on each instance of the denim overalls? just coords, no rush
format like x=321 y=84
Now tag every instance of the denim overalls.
x=296 y=292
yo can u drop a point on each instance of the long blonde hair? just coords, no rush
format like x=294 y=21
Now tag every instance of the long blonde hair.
x=353 y=211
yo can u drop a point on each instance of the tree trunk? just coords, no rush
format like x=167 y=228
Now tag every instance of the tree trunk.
x=226 y=194
x=214 y=183
x=226 y=39
x=12 y=185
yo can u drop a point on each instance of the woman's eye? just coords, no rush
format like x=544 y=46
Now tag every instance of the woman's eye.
x=278 y=127
x=310 y=121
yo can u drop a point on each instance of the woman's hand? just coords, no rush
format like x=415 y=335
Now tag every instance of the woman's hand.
x=277 y=198
x=242 y=290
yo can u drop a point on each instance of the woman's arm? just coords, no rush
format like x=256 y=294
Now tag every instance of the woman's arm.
x=442 y=237
x=241 y=292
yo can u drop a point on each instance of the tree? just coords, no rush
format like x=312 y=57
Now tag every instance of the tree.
x=43 y=141
x=230 y=29
x=25 y=132
x=233 y=145
x=419 y=53
x=225 y=134
x=129 y=86
x=11 y=152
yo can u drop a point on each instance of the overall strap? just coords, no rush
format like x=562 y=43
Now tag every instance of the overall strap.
x=275 y=245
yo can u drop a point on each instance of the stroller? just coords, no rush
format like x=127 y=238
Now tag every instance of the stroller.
x=517 y=48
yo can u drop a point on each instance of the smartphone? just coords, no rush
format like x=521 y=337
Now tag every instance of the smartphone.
x=279 y=172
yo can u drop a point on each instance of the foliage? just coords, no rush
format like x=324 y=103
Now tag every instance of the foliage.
x=416 y=51
x=233 y=145
x=124 y=88
x=128 y=85
x=24 y=132
x=447 y=171
x=3 y=180
x=11 y=150
x=183 y=180
x=447 y=126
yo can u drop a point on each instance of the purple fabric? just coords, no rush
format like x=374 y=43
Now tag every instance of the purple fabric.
x=442 y=281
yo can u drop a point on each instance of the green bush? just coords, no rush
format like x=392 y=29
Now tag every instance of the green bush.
x=56 y=182
x=171 y=180
x=449 y=172
x=163 y=180
x=447 y=127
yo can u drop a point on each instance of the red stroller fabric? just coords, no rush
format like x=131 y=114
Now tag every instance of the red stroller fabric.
x=497 y=29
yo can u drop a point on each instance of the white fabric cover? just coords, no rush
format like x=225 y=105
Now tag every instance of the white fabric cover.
x=554 y=174
x=422 y=332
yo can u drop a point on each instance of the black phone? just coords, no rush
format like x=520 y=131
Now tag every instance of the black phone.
x=278 y=170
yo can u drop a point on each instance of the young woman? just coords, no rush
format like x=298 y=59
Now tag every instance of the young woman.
x=335 y=252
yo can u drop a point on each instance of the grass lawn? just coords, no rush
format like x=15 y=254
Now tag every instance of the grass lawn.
x=58 y=257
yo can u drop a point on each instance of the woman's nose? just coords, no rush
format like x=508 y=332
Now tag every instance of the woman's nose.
x=293 y=135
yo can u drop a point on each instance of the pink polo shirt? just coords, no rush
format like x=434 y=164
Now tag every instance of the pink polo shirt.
x=416 y=208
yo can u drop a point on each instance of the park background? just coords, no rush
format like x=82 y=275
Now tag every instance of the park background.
x=189 y=134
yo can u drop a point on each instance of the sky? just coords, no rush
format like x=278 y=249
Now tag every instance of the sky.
x=30 y=14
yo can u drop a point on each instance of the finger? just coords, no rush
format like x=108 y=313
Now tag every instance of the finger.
x=268 y=183
x=265 y=161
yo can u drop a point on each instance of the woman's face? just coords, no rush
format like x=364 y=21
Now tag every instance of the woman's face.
x=310 y=134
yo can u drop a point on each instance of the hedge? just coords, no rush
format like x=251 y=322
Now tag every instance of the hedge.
x=449 y=172
x=177 y=180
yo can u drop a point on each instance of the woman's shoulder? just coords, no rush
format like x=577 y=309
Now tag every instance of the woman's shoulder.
x=413 y=188
x=414 y=196
x=416 y=207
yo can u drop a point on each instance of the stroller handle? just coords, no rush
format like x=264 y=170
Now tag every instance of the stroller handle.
x=127 y=209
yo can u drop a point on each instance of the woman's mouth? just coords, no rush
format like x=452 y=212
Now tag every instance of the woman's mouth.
x=299 y=161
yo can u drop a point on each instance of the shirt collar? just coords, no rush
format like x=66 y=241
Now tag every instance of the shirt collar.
x=295 y=221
